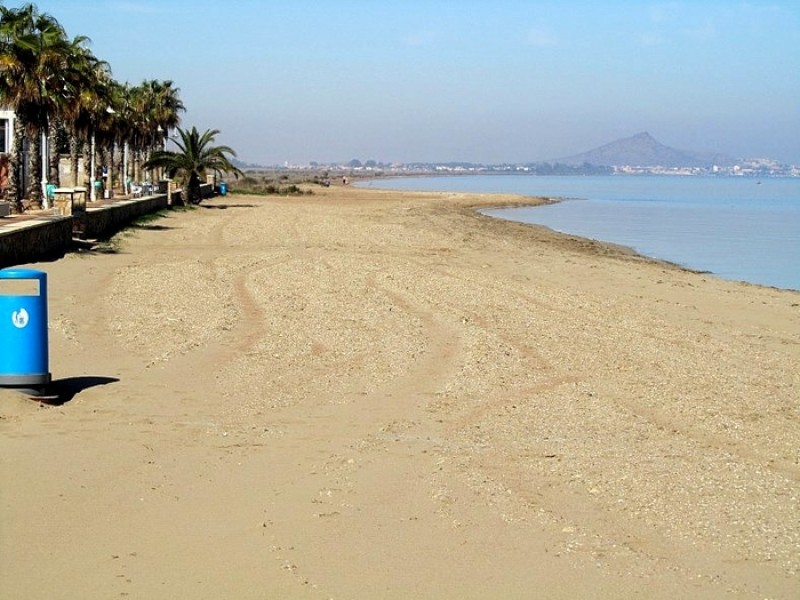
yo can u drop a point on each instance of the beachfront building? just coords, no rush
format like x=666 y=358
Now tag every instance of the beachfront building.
x=6 y=129
x=8 y=122
x=6 y=147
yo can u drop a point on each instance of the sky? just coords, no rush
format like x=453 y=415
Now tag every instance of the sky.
x=488 y=81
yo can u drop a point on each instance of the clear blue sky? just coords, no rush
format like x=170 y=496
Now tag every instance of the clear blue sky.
x=439 y=80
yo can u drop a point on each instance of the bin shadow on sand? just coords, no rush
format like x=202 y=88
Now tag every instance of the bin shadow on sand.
x=61 y=391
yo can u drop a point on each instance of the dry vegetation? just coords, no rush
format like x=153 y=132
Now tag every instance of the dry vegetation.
x=281 y=183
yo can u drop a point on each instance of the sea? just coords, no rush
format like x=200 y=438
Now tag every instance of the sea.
x=737 y=228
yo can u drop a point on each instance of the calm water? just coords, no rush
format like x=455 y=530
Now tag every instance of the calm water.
x=736 y=228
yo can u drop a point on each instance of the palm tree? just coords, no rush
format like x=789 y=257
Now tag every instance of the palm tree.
x=80 y=74
x=195 y=158
x=156 y=107
x=87 y=80
x=33 y=51
x=143 y=128
x=165 y=104
x=166 y=111
x=13 y=24
x=125 y=125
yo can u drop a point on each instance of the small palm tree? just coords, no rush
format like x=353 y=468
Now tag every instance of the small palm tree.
x=196 y=157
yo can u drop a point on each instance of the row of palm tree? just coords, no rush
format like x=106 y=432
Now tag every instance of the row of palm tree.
x=64 y=98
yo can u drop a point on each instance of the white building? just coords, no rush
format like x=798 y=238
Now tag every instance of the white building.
x=6 y=130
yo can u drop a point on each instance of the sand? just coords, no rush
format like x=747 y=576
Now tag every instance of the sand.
x=367 y=394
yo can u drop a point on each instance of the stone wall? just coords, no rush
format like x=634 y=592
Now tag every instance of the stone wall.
x=47 y=238
x=43 y=239
x=106 y=220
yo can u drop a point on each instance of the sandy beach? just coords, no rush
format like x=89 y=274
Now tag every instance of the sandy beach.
x=371 y=394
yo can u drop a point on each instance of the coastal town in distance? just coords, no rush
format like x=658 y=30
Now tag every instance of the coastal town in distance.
x=640 y=154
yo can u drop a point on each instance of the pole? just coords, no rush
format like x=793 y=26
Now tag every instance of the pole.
x=164 y=148
x=92 y=193
x=45 y=161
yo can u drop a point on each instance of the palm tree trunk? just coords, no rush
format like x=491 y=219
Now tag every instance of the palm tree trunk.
x=112 y=166
x=123 y=176
x=16 y=176
x=105 y=171
x=137 y=173
x=193 y=196
x=54 y=174
x=34 y=192
x=74 y=152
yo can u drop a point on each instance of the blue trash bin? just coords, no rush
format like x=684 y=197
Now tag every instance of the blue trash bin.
x=223 y=188
x=23 y=328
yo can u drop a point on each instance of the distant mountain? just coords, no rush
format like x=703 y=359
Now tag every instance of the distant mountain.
x=642 y=150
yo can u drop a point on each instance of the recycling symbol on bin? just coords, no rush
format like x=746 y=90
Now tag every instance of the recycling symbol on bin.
x=20 y=318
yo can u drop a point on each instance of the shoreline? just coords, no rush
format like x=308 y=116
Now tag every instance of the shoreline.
x=703 y=264
x=582 y=242
x=375 y=393
x=621 y=248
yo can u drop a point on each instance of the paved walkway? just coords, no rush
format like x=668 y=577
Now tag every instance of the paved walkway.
x=30 y=217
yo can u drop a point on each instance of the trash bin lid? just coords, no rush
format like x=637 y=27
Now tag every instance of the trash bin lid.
x=21 y=274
